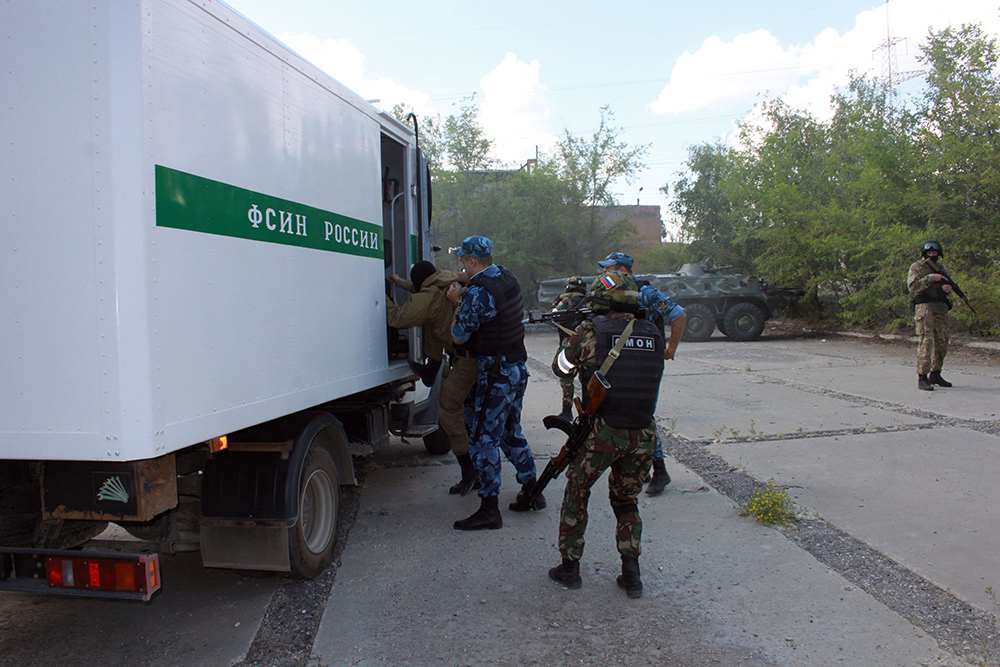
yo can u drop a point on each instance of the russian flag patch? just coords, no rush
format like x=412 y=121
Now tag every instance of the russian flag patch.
x=608 y=282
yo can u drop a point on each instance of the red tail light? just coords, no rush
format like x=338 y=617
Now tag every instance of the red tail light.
x=138 y=575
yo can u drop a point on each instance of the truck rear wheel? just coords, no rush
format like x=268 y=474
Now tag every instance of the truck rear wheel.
x=744 y=322
x=311 y=539
x=700 y=323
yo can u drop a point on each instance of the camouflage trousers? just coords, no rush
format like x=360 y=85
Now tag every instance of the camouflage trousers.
x=932 y=328
x=567 y=391
x=500 y=413
x=455 y=389
x=629 y=454
x=565 y=383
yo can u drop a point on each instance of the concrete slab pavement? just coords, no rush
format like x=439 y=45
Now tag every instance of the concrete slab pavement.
x=411 y=591
x=720 y=589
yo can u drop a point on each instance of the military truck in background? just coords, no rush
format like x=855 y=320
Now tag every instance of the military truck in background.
x=198 y=229
x=737 y=304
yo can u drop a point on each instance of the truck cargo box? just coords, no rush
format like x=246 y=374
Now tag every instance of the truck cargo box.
x=197 y=229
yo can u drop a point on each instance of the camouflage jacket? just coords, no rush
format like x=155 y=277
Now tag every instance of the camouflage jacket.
x=430 y=309
x=921 y=285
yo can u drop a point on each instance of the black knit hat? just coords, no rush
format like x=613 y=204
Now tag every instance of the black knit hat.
x=420 y=272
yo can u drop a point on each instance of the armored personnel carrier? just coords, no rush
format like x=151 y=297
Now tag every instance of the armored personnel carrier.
x=737 y=304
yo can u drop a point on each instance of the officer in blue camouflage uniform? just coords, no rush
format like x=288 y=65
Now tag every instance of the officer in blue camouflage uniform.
x=488 y=322
x=661 y=310
x=624 y=432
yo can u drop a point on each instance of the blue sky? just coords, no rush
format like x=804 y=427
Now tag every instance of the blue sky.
x=674 y=74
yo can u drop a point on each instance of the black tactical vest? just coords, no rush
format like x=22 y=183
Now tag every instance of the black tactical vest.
x=505 y=333
x=635 y=376
x=935 y=292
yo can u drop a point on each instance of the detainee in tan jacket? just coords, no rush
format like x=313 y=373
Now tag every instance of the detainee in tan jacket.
x=429 y=308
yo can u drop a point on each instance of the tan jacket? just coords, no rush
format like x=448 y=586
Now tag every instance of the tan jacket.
x=430 y=309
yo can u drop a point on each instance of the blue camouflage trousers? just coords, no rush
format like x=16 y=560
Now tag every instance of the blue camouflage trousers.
x=501 y=424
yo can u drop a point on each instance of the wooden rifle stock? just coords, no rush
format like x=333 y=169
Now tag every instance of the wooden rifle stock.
x=598 y=388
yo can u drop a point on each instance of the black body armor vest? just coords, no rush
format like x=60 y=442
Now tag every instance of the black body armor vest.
x=635 y=376
x=505 y=333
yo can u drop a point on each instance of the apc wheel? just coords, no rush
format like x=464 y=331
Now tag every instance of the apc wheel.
x=744 y=322
x=700 y=323
x=311 y=539
x=721 y=326
x=437 y=442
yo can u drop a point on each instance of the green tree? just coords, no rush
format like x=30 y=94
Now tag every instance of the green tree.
x=959 y=142
x=703 y=206
x=593 y=165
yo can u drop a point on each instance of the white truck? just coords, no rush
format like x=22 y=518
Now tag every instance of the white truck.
x=197 y=229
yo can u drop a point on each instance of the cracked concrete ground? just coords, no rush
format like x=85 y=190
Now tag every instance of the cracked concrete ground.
x=889 y=565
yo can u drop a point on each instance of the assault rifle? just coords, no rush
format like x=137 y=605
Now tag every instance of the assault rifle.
x=956 y=289
x=564 y=320
x=576 y=431
x=559 y=316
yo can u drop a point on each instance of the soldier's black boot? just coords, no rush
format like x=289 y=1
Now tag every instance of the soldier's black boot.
x=935 y=378
x=924 y=383
x=629 y=578
x=521 y=503
x=487 y=517
x=470 y=478
x=567 y=574
x=567 y=411
x=660 y=478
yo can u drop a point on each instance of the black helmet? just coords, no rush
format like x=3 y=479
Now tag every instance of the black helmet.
x=576 y=284
x=932 y=245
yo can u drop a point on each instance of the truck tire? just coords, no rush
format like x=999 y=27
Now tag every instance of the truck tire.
x=311 y=539
x=437 y=442
x=700 y=323
x=744 y=322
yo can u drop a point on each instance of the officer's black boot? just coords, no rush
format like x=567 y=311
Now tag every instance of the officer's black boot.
x=629 y=578
x=521 y=504
x=486 y=517
x=935 y=378
x=470 y=478
x=924 y=383
x=567 y=574
x=660 y=478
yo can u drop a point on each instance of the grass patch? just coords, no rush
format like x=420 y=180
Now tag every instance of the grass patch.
x=770 y=507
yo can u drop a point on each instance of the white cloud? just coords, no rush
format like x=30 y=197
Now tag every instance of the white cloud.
x=721 y=74
x=342 y=60
x=514 y=112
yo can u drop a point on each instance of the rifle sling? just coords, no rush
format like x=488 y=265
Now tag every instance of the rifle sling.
x=617 y=349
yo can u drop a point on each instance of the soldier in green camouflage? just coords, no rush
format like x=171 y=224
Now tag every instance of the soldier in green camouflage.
x=572 y=298
x=930 y=289
x=624 y=431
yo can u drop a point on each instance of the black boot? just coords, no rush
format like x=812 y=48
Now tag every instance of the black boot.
x=629 y=578
x=567 y=411
x=470 y=478
x=924 y=383
x=935 y=378
x=660 y=478
x=521 y=503
x=567 y=574
x=486 y=517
